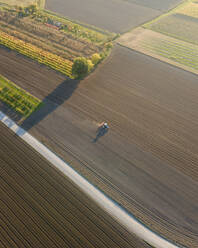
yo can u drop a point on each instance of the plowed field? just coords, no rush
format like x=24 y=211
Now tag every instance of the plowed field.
x=42 y=208
x=112 y=15
x=159 y=4
x=148 y=159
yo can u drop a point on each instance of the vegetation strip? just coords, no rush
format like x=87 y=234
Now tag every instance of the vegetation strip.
x=78 y=30
x=17 y=98
x=31 y=51
x=53 y=40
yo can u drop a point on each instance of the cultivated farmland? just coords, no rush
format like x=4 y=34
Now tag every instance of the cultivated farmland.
x=177 y=26
x=16 y=98
x=51 y=39
x=148 y=159
x=177 y=52
x=19 y=2
x=171 y=37
x=113 y=15
x=159 y=5
x=42 y=208
x=31 y=51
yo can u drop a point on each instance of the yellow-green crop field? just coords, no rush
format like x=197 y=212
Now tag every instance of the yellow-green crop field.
x=180 y=23
x=176 y=50
x=22 y=3
x=190 y=8
x=179 y=41
x=33 y=52
x=17 y=98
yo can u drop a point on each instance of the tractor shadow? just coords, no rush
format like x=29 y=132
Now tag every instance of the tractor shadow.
x=100 y=132
x=50 y=103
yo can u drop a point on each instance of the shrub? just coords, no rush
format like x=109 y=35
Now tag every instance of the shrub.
x=108 y=45
x=80 y=67
x=31 y=10
x=95 y=58
x=90 y=65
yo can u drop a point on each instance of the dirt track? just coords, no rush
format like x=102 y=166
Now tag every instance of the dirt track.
x=148 y=159
x=42 y=208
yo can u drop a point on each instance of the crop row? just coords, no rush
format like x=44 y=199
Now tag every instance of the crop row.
x=17 y=98
x=187 y=56
x=31 y=51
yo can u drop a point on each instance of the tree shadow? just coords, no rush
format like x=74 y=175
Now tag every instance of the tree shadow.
x=7 y=110
x=51 y=102
x=100 y=132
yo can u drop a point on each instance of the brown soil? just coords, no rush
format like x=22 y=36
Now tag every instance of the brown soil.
x=148 y=159
x=42 y=208
x=113 y=15
x=159 y=5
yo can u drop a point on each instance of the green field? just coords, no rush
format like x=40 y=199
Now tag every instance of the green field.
x=177 y=26
x=181 y=24
x=18 y=99
x=178 y=51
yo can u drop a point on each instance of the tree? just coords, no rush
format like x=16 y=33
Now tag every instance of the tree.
x=95 y=58
x=80 y=67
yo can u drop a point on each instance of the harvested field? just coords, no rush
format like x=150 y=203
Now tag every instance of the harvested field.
x=177 y=52
x=180 y=23
x=177 y=26
x=42 y=208
x=148 y=159
x=159 y=5
x=113 y=15
x=189 y=9
x=172 y=37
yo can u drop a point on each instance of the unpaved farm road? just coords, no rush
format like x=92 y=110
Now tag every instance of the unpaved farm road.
x=148 y=159
x=40 y=207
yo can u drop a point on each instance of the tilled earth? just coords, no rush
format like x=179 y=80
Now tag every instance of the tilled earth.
x=42 y=208
x=113 y=15
x=148 y=159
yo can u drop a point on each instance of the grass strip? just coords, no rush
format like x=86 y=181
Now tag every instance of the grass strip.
x=17 y=98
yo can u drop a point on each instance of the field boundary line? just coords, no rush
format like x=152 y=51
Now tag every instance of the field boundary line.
x=105 y=202
x=161 y=59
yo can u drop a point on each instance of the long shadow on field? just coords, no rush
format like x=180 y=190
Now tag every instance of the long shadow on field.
x=10 y=112
x=51 y=102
